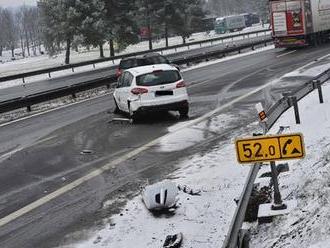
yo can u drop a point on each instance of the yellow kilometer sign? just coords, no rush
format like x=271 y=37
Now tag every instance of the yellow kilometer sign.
x=270 y=148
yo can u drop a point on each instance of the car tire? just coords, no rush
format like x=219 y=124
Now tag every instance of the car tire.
x=116 y=110
x=184 y=112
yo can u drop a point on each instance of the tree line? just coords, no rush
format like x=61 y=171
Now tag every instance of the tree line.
x=55 y=25
x=19 y=28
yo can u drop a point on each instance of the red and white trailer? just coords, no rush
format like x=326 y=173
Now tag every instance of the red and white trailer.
x=299 y=22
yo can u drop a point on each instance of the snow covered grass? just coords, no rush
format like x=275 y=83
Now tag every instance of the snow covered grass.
x=32 y=63
x=308 y=182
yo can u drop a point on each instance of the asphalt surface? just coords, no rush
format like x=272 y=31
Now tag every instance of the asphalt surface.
x=42 y=154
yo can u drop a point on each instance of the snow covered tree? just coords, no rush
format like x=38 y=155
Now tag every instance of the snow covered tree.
x=121 y=21
x=186 y=17
x=2 y=34
x=60 y=22
x=8 y=30
x=94 y=28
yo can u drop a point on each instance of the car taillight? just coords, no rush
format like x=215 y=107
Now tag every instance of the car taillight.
x=181 y=84
x=118 y=72
x=139 y=91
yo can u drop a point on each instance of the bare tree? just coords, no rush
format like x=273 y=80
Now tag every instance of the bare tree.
x=9 y=30
x=2 y=34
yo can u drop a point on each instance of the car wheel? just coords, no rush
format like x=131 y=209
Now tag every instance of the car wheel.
x=184 y=112
x=116 y=110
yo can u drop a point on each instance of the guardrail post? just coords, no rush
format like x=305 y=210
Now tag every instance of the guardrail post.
x=28 y=109
x=94 y=66
x=49 y=75
x=23 y=80
x=294 y=103
x=74 y=96
x=72 y=69
x=278 y=203
x=253 y=48
x=317 y=85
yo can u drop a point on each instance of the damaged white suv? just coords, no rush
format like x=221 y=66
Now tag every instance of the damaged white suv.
x=151 y=88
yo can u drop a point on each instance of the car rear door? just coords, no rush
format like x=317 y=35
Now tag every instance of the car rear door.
x=126 y=90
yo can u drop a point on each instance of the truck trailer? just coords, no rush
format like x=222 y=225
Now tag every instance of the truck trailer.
x=298 y=23
x=229 y=24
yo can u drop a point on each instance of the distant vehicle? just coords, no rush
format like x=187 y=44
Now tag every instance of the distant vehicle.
x=300 y=22
x=229 y=24
x=250 y=19
x=208 y=23
x=151 y=88
x=147 y=59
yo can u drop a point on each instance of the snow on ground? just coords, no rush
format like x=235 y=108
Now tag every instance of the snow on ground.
x=294 y=79
x=308 y=181
x=9 y=67
x=203 y=219
x=180 y=139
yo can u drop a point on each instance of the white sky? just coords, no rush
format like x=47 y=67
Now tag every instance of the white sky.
x=15 y=3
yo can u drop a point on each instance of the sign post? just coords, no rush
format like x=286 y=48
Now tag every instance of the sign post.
x=278 y=203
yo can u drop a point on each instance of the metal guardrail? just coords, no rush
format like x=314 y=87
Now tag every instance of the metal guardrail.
x=96 y=61
x=235 y=234
x=29 y=100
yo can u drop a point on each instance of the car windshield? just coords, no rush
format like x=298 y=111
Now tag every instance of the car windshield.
x=158 y=78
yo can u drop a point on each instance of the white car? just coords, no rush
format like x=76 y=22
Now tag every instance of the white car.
x=157 y=87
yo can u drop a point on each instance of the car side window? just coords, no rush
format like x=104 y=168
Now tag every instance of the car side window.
x=127 y=79
x=130 y=79
x=120 y=81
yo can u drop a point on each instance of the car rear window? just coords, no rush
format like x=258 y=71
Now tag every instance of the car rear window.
x=156 y=60
x=129 y=63
x=158 y=78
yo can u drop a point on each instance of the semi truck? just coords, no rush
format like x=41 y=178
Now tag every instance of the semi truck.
x=297 y=23
x=229 y=24
x=250 y=19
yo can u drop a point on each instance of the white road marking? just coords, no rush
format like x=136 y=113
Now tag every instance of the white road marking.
x=28 y=208
x=11 y=153
x=52 y=110
x=284 y=54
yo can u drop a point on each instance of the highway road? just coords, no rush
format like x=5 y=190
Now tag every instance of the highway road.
x=49 y=189
x=42 y=83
